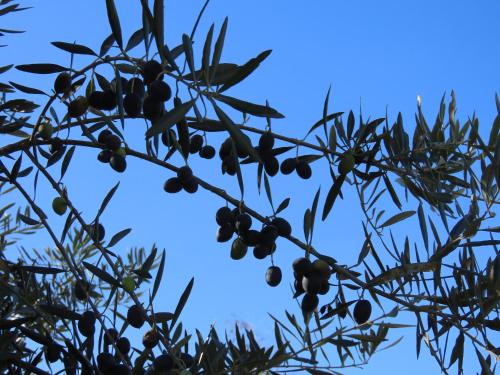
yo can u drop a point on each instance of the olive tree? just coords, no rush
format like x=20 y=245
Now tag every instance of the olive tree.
x=442 y=175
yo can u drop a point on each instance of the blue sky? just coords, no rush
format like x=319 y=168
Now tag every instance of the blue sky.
x=375 y=54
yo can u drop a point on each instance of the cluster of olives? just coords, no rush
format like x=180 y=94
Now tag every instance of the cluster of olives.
x=263 y=242
x=196 y=146
x=113 y=153
x=136 y=318
x=184 y=180
x=158 y=91
x=302 y=167
x=228 y=157
x=78 y=106
x=311 y=278
x=265 y=150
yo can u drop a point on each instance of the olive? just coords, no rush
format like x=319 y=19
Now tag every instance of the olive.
x=288 y=166
x=321 y=267
x=304 y=170
x=78 y=107
x=121 y=369
x=302 y=266
x=283 y=226
x=97 y=232
x=224 y=233
x=251 y=237
x=160 y=90
x=105 y=362
x=45 y=130
x=238 y=249
x=346 y=163
x=261 y=251
x=184 y=173
x=96 y=100
x=225 y=148
x=207 y=152
x=271 y=165
x=325 y=287
x=268 y=234
x=135 y=86
x=309 y=302
x=109 y=100
x=123 y=83
x=312 y=283
x=56 y=144
x=151 y=71
x=103 y=136
x=111 y=336
x=195 y=144
x=230 y=165
x=243 y=222
x=190 y=185
x=123 y=345
x=112 y=142
x=132 y=105
x=81 y=289
x=52 y=352
x=136 y=316
x=273 y=276
x=266 y=142
x=118 y=163
x=163 y=362
x=59 y=205
x=152 y=108
x=224 y=215
x=187 y=359
x=62 y=84
x=150 y=339
x=105 y=156
x=173 y=185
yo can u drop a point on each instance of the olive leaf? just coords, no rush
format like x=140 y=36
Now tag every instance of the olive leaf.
x=41 y=68
x=114 y=22
x=74 y=48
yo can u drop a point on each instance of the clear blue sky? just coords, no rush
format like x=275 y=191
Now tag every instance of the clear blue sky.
x=377 y=53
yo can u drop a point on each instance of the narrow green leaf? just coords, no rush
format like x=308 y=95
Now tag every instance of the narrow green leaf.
x=332 y=196
x=205 y=59
x=118 y=237
x=67 y=160
x=188 y=51
x=26 y=89
x=245 y=70
x=250 y=108
x=283 y=205
x=159 y=275
x=397 y=218
x=74 y=48
x=135 y=39
x=219 y=44
x=169 y=119
x=106 y=44
x=235 y=132
x=101 y=274
x=27 y=220
x=158 y=26
x=114 y=22
x=182 y=302
x=41 y=68
x=107 y=199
